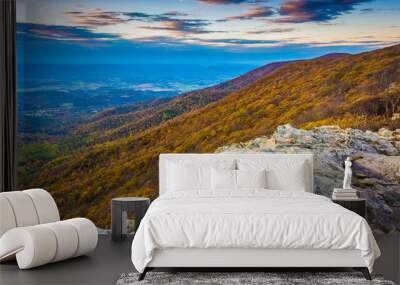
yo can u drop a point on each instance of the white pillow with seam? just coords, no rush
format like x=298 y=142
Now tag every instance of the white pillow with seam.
x=183 y=178
x=187 y=174
x=223 y=179
x=281 y=174
x=251 y=178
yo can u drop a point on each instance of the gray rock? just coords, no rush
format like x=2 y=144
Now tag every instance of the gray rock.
x=376 y=164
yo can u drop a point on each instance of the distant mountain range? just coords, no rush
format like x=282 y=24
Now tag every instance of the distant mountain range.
x=121 y=158
x=123 y=121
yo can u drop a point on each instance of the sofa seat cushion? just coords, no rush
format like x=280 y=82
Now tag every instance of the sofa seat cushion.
x=40 y=244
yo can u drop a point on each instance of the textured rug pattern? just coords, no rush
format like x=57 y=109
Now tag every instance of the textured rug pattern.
x=243 y=278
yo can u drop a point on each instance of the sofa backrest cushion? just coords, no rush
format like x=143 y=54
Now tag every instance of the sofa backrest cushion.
x=45 y=205
x=26 y=208
x=7 y=219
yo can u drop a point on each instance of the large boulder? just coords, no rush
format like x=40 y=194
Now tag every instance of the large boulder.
x=376 y=164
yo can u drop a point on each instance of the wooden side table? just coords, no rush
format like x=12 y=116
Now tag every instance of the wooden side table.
x=119 y=214
x=358 y=206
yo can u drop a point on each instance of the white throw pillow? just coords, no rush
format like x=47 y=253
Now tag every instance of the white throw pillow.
x=223 y=179
x=281 y=174
x=251 y=178
x=191 y=174
x=183 y=178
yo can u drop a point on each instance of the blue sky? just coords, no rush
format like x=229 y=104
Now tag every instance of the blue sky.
x=208 y=32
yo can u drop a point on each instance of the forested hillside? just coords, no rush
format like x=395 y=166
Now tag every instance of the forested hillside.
x=122 y=121
x=359 y=91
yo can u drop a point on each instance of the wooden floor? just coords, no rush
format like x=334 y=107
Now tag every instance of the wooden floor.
x=103 y=266
x=110 y=259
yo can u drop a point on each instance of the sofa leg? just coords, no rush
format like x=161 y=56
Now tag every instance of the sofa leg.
x=143 y=274
x=364 y=271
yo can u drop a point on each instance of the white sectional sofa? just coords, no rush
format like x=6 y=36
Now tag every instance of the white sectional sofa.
x=31 y=230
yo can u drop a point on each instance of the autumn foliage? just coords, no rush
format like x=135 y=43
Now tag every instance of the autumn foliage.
x=360 y=91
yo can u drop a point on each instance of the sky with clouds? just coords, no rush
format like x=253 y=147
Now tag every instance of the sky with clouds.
x=200 y=31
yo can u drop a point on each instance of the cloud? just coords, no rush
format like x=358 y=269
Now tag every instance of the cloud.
x=195 y=41
x=367 y=10
x=238 y=42
x=256 y=12
x=99 y=17
x=355 y=42
x=301 y=11
x=171 y=21
x=175 y=14
x=174 y=21
x=244 y=41
x=191 y=26
x=61 y=33
x=144 y=17
x=96 y=18
x=221 y=2
x=272 y=31
x=160 y=40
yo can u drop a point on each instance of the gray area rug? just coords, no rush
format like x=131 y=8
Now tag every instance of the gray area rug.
x=269 y=278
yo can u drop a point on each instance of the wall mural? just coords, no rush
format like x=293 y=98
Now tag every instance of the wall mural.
x=104 y=87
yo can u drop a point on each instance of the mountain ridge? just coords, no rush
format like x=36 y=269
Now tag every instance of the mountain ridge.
x=140 y=114
x=159 y=110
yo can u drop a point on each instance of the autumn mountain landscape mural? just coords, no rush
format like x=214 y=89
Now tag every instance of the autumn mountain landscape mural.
x=99 y=131
x=358 y=91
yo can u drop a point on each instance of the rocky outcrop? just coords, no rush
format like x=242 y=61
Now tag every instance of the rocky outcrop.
x=376 y=164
